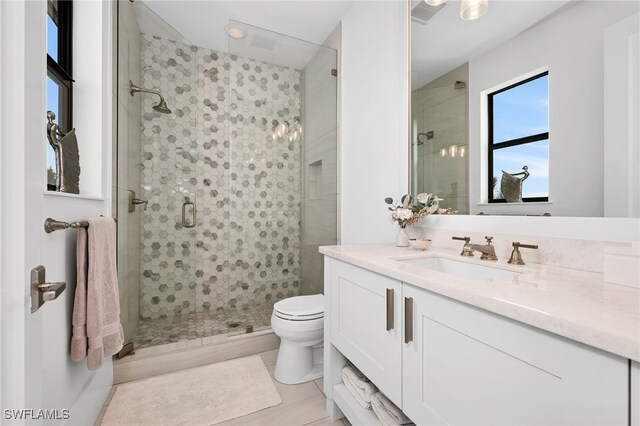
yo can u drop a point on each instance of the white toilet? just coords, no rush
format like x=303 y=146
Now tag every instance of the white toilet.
x=299 y=322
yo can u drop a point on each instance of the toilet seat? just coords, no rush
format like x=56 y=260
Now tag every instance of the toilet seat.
x=300 y=308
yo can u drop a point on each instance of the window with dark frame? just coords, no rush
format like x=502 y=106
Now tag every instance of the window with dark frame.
x=518 y=124
x=59 y=73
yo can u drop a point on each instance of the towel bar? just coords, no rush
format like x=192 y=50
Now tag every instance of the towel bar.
x=51 y=225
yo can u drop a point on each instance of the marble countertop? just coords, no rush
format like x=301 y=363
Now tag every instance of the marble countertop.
x=574 y=304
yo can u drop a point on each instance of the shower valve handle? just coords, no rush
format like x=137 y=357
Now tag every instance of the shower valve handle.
x=137 y=201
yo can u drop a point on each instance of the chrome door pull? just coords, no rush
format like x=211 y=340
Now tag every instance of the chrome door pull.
x=186 y=224
x=390 y=313
x=42 y=291
x=408 y=319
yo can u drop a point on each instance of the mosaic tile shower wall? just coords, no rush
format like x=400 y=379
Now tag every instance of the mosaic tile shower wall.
x=217 y=149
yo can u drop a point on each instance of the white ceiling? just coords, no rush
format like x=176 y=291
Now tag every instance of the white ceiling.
x=298 y=22
x=446 y=41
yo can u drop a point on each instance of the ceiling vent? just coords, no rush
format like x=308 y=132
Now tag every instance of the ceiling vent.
x=422 y=12
x=262 y=42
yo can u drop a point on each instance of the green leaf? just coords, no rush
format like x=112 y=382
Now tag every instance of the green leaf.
x=388 y=200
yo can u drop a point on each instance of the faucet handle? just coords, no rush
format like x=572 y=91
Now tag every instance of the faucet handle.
x=529 y=246
x=466 y=249
x=489 y=239
x=465 y=239
x=516 y=257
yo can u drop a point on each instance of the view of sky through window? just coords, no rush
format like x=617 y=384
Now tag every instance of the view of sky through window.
x=52 y=38
x=52 y=87
x=519 y=112
x=52 y=105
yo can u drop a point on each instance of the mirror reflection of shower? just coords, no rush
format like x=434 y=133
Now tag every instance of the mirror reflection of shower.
x=160 y=107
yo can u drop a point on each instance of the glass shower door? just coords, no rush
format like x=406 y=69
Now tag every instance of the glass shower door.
x=157 y=181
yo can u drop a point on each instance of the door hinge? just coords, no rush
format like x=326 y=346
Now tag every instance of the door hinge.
x=334 y=72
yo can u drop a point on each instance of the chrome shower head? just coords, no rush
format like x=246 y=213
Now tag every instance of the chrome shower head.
x=160 y=107
x=459 y=85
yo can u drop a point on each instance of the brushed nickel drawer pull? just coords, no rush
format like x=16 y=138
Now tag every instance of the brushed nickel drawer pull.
x=408 y=319
x=390 y=313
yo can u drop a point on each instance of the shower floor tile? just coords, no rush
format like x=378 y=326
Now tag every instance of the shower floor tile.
x=198 y=325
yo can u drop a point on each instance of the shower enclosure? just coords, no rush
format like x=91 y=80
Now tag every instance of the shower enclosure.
x=225 y=176
x=440 y=139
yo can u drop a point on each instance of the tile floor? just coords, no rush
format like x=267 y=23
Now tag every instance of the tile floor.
x=302 y=405
x=153 y=332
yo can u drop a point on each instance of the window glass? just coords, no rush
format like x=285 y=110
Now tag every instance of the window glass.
x=535 y=156
x=521 y=111
x=52 y=38
x=53 y=104
x=59 y=74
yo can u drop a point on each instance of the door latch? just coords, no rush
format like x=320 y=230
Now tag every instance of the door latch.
x=42 y=291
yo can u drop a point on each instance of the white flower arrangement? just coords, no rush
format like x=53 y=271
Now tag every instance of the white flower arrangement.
x=409 y=212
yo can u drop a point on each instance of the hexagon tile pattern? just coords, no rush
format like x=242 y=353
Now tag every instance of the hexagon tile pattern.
x=217 y=149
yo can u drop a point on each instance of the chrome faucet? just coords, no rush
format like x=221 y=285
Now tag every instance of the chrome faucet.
x=516 y=257
x=466 y=249
x=488 y=251
x=133 y=202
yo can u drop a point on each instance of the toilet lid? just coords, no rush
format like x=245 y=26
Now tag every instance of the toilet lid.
x=301 y=306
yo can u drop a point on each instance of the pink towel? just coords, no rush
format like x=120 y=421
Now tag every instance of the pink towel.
x=97 y=332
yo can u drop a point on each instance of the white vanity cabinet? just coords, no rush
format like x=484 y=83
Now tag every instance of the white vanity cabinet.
x=447 y=362
x=467 y=366
x=366 y=323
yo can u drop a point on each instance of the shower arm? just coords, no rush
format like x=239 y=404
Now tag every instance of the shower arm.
x=136 y=89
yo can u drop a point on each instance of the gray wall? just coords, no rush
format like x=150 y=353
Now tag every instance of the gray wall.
x=320 y=165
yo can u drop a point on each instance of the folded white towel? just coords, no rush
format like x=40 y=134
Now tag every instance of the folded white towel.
x=356 y=371
x=363 y=386
x=387 y=412
x=353 y=390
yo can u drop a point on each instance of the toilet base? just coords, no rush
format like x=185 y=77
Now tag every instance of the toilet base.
x=298 y=364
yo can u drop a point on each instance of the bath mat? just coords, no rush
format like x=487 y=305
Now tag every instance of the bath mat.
x=198 y=396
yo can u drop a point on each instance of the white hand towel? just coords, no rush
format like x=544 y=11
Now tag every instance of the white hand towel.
x=354 y=391
x=387 y=412
x=363 y=386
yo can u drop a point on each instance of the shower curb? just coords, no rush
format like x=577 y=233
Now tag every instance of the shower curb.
x=149 y=364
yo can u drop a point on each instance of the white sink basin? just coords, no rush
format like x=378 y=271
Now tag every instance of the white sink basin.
x=462 y=269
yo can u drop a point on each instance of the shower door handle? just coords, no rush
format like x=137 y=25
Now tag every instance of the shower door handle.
x=186 y=224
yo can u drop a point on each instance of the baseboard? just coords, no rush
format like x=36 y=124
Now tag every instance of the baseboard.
x=139 y=367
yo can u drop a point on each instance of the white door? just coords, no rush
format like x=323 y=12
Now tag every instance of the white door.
x=365 y=324
x=35 y=369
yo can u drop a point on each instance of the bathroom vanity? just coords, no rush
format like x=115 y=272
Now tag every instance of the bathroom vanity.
x=453 y=340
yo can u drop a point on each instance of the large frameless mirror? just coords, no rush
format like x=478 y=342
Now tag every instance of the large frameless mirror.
x=526 y=107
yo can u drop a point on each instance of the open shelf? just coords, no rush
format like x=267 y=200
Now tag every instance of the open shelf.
x=351 y=409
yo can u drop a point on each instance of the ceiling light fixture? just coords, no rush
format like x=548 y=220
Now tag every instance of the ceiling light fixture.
x=435 y=2
x=473 y=9
x=235 y=32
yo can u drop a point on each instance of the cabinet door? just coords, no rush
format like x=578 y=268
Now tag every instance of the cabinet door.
x=360 y=303
x=468 y=366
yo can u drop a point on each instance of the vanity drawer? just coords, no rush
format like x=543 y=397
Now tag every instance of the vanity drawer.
x=366 y=324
